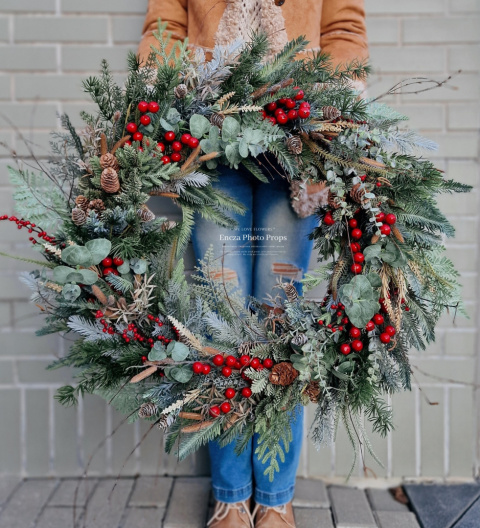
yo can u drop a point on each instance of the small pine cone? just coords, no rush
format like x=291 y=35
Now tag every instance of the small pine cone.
x=147 y=409
x=294 y=145
x=245 y=348
x=109 y=161
x=331 y=112
x=217 y=120
x=169 y=224
x=79 y=216
x=145 y=214
x=357 y=193
x=165 y=422
x=313 y=391
x=109 y=180
x=97 y=205
x=283 y=374
x=299 y=340
x=81 y=202
x=180 y=91
x=290 y=292
x=331 y=200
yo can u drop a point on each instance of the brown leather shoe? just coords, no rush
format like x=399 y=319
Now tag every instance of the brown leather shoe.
x=231 y=515
x=274 y=517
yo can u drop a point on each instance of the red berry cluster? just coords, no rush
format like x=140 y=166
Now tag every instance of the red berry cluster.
x=132 y=127
x=358 y=256
x=32 y=228
x=110 y=265
x=342 y=319
x=174 y=146
x=284 y=110
x=388 y=220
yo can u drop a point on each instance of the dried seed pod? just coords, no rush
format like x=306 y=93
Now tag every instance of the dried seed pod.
x=79 y=217
x=81 y=202
x=147 y=409
x=330 y=112
x=180 y=91
x=374 y=239
x=294 y=145
x=109 y=180
x=97 y=205
x=108 y=161
x=397 y=234
x=145 y=214
x=217 y=120
x=283 y=374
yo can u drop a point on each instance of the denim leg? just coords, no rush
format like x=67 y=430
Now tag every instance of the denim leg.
x=282 y=488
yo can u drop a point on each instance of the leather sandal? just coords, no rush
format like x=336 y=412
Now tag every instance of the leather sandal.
x=231 y=515
x=274 y=516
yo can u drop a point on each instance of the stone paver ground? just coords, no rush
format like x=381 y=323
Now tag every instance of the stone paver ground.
x=185 y=502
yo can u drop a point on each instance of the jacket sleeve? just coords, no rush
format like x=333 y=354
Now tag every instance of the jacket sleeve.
x=173 y=12
x=343 y=32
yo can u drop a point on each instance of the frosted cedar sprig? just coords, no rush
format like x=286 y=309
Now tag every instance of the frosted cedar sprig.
x=190 y=396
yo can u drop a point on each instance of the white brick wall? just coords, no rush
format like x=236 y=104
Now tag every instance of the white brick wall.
x=48 y=47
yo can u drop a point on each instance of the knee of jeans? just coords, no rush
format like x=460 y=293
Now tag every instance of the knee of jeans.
x=288 y=270
x=226 y=274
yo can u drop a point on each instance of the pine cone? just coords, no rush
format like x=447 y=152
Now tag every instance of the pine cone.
x=357 y=193
x=330 y=112
x=108 y=161
x=147 y=409
x=331 y=200
x=294 y=145
x=245 y=348
x=217 y=120
x=79 y=217
x=109 y=180
x=180 y=91
x=283 y=374
x=313 y=391
x=81 y=202
x=97 y=205
x=169 y=224
x=290 y=292
x=145 y=214
x=299 y=340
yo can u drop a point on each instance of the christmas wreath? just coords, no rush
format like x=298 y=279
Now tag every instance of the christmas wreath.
x=188 y=355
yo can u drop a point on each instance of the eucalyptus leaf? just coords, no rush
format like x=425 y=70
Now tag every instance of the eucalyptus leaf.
x=374 y=280
x=124 y=268
x=233 y=155
x=71 y=292
x=360 y=300
x=199 y=125
x=230 y=129
x=60 y=274
x=89 y=277
x=180 y=351
x=182 y=374
x=139 y=266
x=157 y=353
x=99 y=248
x=77 y=256
x=243 y=148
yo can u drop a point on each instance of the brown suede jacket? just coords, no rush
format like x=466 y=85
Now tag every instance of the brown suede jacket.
x=337 y=27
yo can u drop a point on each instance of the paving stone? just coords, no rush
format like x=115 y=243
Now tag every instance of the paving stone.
x=59 y=517
x=65 y=494
x=188 y=504
x=471 y=519
x=313 y=518
x=144 y=518
x=310 y=493
x=350 y=508
x=105 y=511
x=7 y=486
x=383 y=500
x=151 y=491
x=396 y=519
x=440 y=506
x=26 y=504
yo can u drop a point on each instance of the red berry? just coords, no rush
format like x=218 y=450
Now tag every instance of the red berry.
x=246 y=392
x=271 y=107
x=390 y=330
x=131 y=128
x=169 y=136
x=378 y=184
x=357 y=345
x=143 y=106
x=245 y=360
x=185 y=138
x=385 y=338
x=138 y=136
x=305 y=104
x=166 y=159
x=153 y=107
x=107 y=271
x=290 y=104
x=355 y=332
x=299 y=95
x=99 y=314
x=268 y=363
x=176 y=157
x=272 y=120
x=161 y=147
x=255 y=363
x=378 y=319
x=359 y=258
x=345 y=320
x=282 y=119
x=140 y=149
x=328 y=220
x=363 y=178
x=352 y=223
x=390 y=219
x=304 y=112
x=385 y=229
x=356 y=268
x=227 y=371
x=218 y=360
x=107 y=262
x=345 y=349
x=356 y=234
x=230 y=393
x=206 y=369
x=115 y=272
x=177 y=146
x=355 y=247
x=292 y=114
x=145 y=120
x=117 y=261
x=380 y=216
x=370 y=326
x=197 y=367
x=237 y=365
x=225 y=407
x=144 y=358
x=230 y=361
x=193 y=142
x=278 y=111
x=214 y=411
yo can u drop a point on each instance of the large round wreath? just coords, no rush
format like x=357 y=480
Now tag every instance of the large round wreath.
x=189 y=355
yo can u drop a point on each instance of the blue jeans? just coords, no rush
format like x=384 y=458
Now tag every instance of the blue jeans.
x=270 y=243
